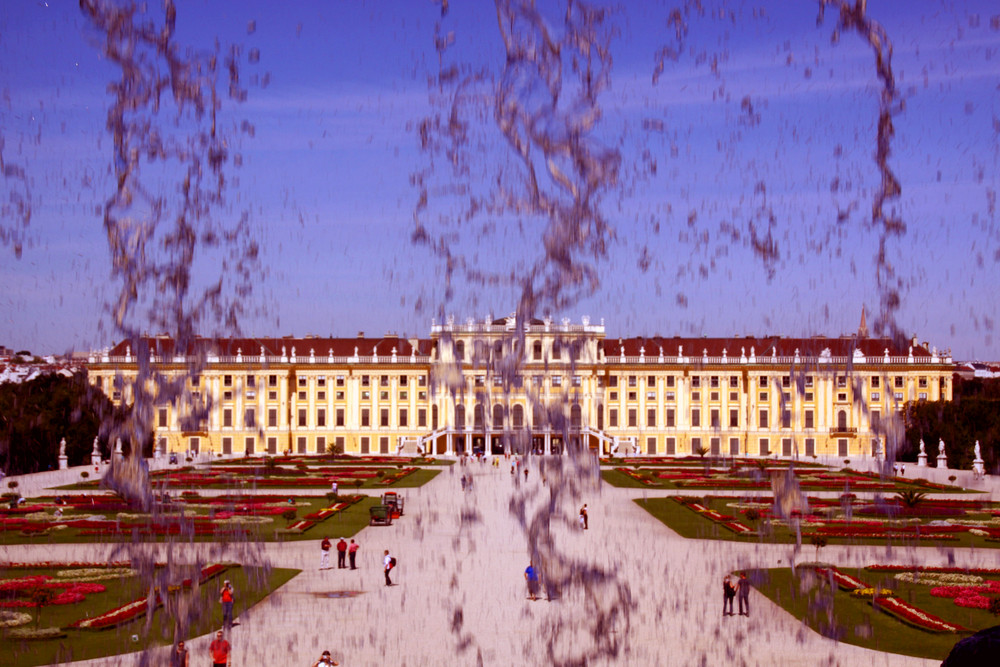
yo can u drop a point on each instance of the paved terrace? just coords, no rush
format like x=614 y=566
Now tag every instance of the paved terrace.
x=460 y=599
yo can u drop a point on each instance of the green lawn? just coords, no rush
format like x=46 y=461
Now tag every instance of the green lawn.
x=855 y=621
x=344 y=523
x=617 y=478
x=693 y=525
x=274 y=482
x=251 y=585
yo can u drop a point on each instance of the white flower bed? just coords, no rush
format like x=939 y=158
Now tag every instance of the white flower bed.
x=96 y=573
x=940 y=578
x=12 y=619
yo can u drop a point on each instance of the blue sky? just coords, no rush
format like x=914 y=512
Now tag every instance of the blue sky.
x=339 y=92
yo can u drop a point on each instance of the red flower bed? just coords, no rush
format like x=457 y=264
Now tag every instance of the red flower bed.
x=913 y=616
x=69 y=592
x=137 y=608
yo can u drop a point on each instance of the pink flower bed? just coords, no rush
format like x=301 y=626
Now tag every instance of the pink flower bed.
x=974 y=597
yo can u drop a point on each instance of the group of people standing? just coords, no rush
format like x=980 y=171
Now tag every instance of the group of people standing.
x=344 y=550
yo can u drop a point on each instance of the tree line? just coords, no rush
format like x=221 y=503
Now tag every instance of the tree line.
x=973 y=414
x=36 y=415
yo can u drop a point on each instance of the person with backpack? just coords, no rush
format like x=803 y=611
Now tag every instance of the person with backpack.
x=324 y=554
x=388 y=563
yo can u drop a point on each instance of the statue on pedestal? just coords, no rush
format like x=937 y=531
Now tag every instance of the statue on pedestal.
x=922 y=456
x=942 y=457
x=978 y=465
x=63 y=459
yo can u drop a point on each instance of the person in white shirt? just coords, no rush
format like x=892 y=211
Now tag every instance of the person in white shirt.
x=387 y=563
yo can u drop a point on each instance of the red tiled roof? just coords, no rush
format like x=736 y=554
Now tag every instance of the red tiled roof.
x=251 y=347
x=762 y=347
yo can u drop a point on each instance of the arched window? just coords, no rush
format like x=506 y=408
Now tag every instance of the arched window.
x=517 y=416
x=460 y=350
x=575 y=416
x=842 y=419
x=460 y=417
x=536 y=351
x=497 y=416
x=478 y=417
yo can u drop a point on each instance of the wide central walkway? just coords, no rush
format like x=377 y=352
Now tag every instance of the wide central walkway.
x=459 y=594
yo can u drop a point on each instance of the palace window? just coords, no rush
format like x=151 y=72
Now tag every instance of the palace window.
x=321 y=396
x=612 y=418
x=612 y=380
x=713 y=382
x=670 y=396
x=651 y=381
x=876 y=396
x=321 y=417
x=809 y=419
x=786 y=381
x=162 y=418
x=696 y=417
x=272 y=418
x=250 y=418
x=340 y=416
x=340 y=380
x=302 y=417
x=384 y=381
x=321 y=381
x=251 y=381
x=632 y=418
x=227 y=418
x=403 y=418
x=557 y=380
x=734 y=382
x=650 y=395
x=422 y=418
x=734 y=396
x=875 y=382
x=632 y=380
x=714 y=416
x=671 y=419
x=695 y=381
x=227 y=395
x=365 y=381
x=303 y=382
x=651 y=417
x=302 y=395
x=227 y=380
x=339 y=396
x=272 y=380
x=536 y=350
x=365 y=418
x=383 y=417
x=899 y=382
x=734 y=418
x=762 y=421
x=670 y=380
x=763 y=381
x=809 y=380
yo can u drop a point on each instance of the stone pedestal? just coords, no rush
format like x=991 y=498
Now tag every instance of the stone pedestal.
x=922 y=460
x=979 y=467
x=942 y=461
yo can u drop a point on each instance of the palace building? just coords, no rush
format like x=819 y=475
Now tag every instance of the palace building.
x=493 y=386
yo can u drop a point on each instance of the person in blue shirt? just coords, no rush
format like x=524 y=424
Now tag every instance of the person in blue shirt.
x=531 y=576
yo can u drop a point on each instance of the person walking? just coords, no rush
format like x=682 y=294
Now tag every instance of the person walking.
x=219 y=649
x=584 y=519
x=226 y=597
x=352 y=552
x=388 y=563
x=531 y=576
x=743 y=593
x=342 y=554
x=325 y=660
x=728 y=593
x=179 y=656
x=324 y=554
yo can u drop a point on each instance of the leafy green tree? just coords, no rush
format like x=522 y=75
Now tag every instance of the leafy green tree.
x=36 y=415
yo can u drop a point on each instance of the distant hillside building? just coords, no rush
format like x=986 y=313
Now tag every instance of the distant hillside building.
x=488 y=387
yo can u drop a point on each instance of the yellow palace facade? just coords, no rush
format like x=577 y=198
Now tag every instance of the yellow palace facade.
x=496 y=385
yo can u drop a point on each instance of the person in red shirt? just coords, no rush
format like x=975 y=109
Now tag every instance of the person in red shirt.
x=219 y=648
x=342 y=553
